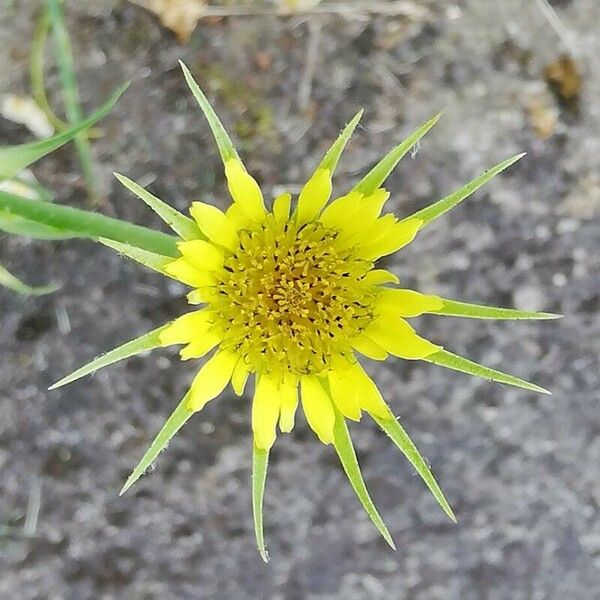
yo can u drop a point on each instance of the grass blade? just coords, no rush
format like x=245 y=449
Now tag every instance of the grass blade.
x=453 y=308
x=148 y=341
x=9 y=281
x=444 y=358
x=332 y=156
x=345 y=450
x=430 y=213
x=403 y=442
x=14 y=159
x=64 y=58
x=174 y=423
x=224 y=143
x=86 y=224
x=379 y=173
x=180 y=224
x=260 y=461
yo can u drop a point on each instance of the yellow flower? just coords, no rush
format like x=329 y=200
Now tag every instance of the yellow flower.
x=291 y=298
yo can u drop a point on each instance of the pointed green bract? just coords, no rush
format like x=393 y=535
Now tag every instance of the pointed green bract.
x=430 y=213
x=180 y=224
x=148 y=341
x=86 y=224
x=260 y=461
x=453 y=308
x=174 y=423
x=397 y=434
x=375 y=178
x=151 y=260
x=345 y=450
x=224 y=143
x=444 y=358
x=14 y=159
x=332 y=157
x=9 y=281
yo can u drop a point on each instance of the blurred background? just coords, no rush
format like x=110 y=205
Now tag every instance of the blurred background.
x=521 y=470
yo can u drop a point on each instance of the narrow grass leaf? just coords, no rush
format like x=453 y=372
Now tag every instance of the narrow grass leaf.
x=345 y=450
x=153 y=261
x=9 y=281
x=432 y=212
x=399 y=436
x=180 y=224
x=86 y=224
x=444 y=358
x=332 y=157
x=224 y=143
x=453 y=308
x=260 y=461
x=64 y=58
x=148 y=341
x=14 y=159
x=174 y=423
x=375 y=178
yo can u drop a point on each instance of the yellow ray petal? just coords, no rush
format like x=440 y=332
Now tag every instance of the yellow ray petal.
x=317 y=408
x=399 y=338
x=406 y=303
x=183 y=329
x=387 y=236
x=238 y=217
x=314 y=196
x=186 y=272
x=240 y=377
x=341 y=211
x=379 y=277
x=369 y=348
x=202 y=254
x=281 y=207
x=289 y=403
x=344 y=393
x=265 y=411
x=212 y=379
x=369 y=396
x=215 y=225
x=244 y=190
x=201 y=345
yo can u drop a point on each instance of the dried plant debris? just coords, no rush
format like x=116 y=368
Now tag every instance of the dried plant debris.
x=180 y=16
x=564 y=79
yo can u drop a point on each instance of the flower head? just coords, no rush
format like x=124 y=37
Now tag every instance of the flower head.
x=291 y=297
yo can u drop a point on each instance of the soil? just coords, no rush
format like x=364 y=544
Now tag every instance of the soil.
x=520 y=469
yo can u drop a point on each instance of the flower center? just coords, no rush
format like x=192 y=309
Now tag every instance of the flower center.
x=290 y=300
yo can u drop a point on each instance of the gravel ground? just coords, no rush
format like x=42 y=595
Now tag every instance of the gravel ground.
x=521 y=470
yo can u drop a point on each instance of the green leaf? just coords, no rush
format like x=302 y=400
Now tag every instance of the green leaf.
x=19 y=226
x=432 y=212
x=397 y=434
x=345 y=450
x=224 y=143
x=64 y=58
x=8 y=280
x=379 y=173
x=332 y=157
x=180 y=224
x=174 y=423
x=260 y=461
x=14 y=159
x=148 y=341
x=86 y=224
x=151 y=260
x=453 y=308
x=444 y=358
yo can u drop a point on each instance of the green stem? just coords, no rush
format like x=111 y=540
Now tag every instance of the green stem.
x=86 y=224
